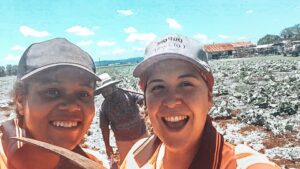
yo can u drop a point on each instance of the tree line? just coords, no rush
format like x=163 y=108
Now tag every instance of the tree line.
x=291 y=33
x=9 y=70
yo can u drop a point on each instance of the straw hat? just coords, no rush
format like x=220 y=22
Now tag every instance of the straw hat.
x=106 y=80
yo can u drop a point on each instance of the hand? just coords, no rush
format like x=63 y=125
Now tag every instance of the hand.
x=140 y=102
x=109 y=151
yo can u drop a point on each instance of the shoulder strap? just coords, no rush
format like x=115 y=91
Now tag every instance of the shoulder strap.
x=209 y=155
x=10 y=129
x=145 y=151
x=3 y=158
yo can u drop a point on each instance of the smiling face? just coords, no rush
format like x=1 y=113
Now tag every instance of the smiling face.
x=59 y=106
x=178 y=101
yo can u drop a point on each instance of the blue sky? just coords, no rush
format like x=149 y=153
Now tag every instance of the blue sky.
x=117 y=29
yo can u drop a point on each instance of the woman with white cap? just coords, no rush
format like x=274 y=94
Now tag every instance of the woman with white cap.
x=177 y=83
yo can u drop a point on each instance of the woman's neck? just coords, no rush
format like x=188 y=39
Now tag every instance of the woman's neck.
x=29 y=157
x=179 y=159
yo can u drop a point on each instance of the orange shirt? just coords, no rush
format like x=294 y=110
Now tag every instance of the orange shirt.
x=14 y=127
x=233 y=157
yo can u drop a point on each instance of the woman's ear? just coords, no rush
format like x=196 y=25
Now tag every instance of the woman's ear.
x=20 y=103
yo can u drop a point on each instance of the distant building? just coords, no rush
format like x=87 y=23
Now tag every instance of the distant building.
x=225 y=50
x=271 y=49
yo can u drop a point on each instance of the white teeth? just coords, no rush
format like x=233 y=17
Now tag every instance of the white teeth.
x=175 y=118
x=65 y=123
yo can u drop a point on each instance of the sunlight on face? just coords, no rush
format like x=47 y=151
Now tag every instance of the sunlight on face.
x=178 y=101
x=59 y=106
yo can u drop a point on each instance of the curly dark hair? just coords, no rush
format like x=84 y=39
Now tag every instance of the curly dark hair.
x=20 y=88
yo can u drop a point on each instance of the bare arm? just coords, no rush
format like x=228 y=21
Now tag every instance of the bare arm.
x=105 y=134
x=104 y=126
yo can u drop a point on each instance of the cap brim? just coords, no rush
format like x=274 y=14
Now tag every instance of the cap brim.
x=59 y=64
x=141 y=68
x=98 y=90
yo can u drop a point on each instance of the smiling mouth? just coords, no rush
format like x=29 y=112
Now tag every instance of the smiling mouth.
x=65 y=124
x=175 y=122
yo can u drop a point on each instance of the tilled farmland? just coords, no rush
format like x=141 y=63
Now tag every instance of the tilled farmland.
x=257 y=102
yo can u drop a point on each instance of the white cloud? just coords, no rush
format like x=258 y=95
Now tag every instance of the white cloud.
x=10 y=57
x=18 y=48
x=138 y=49
x=85 y=43
x=173 y=24
x=223 y=36
x=118 y=51
x=27 y=31
x=241 y=38
x=104 y=52
x=130 y=30
x=140 y=37
x=201 y=37
x=125 y=12
x=249 y=11
x=80 y=31
x=106 y=43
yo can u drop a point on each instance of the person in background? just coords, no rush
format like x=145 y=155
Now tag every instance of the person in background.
x=54 y=99
x=178 y=83
x=120 y=111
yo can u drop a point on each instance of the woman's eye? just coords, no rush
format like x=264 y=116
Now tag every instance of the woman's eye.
x=83 y=94
x=157 y=88
x=52 y=93
x=185 y=83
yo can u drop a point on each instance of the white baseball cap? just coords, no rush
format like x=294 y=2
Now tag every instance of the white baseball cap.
x=175 y=46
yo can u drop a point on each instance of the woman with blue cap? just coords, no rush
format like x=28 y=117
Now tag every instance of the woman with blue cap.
x=54 y=99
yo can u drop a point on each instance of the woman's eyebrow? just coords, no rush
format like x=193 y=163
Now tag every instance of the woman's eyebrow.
x=49 y=80
x=87 y=84
x=187 y=76
x=155 y=81
x=45 y=80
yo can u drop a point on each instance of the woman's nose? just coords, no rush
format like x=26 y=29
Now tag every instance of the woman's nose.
x=172 y=99
x=70 y=104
